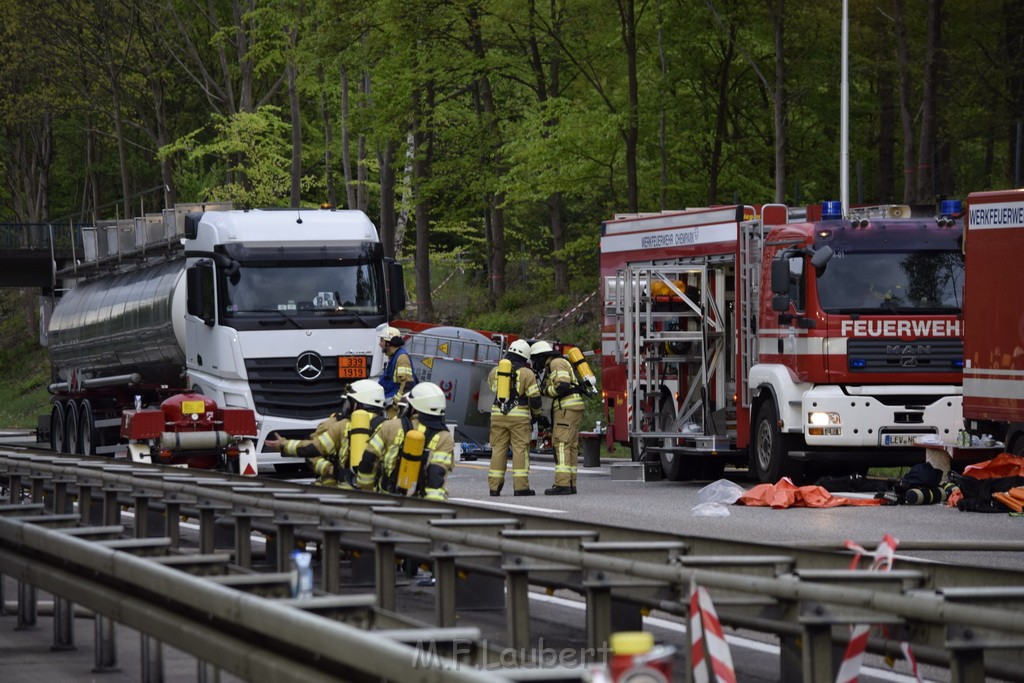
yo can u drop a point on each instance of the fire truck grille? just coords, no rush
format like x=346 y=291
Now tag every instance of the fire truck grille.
x=901 y=356
x=278 y=390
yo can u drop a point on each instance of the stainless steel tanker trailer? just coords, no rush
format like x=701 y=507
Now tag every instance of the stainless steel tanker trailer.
x=195 y=356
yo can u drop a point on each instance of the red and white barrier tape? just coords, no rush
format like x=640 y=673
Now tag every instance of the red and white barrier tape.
x=567 y=314
x=849 y=669
x=710 y=657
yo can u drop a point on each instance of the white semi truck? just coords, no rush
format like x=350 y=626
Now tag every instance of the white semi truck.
x=272 y=311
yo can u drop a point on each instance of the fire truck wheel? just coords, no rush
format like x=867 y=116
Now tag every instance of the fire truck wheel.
x=769 y=448
x=679 y=468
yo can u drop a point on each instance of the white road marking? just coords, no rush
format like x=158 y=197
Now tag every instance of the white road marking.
x=513 y=506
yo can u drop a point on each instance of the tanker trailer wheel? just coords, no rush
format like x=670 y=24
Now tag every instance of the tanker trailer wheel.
x=87 y=435
x=71 y=441
x=57 y=427
x=769 y=448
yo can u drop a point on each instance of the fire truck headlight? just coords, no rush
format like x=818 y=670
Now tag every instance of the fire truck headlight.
x=821 y=419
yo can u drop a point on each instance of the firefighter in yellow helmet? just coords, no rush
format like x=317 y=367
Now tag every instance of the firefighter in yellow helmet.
x=397 y=378
x=511 y=418
x=558 y=381
x=328 y=448
x=383 y=466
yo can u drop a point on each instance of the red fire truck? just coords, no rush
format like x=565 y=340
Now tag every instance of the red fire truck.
x=792 y=341
x=993 y=399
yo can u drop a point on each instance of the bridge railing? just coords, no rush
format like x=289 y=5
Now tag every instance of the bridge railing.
x=36 y=236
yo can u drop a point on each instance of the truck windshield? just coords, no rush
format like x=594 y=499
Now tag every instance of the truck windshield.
x=314 y=289
x=873 y=282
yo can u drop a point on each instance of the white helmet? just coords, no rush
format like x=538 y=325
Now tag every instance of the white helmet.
x=540 y=347
x=521 y=348
x=366 y=392
x=389 y=333
x=428 y=398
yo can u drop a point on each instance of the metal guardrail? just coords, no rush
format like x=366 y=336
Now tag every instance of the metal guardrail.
x=968 y=620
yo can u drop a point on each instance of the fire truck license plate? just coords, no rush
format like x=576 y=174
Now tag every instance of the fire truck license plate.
x=351 y=367
x=190 y=407
x=899 y=439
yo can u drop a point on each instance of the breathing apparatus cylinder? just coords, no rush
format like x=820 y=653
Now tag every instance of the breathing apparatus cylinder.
x=504 y=391
x=575 y=357
x=359 y=436
x=411 y=460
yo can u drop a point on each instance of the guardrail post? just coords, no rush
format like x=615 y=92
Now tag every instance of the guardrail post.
x=152 y=656
x=61 y=504
x=105 y=651
x=63 y=624
x=518 y=608
x=27 y=612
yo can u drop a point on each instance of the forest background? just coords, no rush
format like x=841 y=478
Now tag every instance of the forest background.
x=488 y=139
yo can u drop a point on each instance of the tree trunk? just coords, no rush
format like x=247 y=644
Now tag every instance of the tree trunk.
x=631 y=133
x=777 y=10
x=906 y=118
x=296 y=120
x=1013 y=27
x=556 y=212
x=495 y=219
x=325 y=117
x=926 y=180
x=385 y=159
x=361 y=191
x=346 y=154
x=662 y=116
x=721 y=116
x=421 y=169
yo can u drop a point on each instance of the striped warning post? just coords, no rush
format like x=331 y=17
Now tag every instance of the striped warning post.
x=710 y=657
x=849 y=670
x=853 y=658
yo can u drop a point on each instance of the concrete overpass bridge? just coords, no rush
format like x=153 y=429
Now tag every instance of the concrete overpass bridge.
x=32 y=254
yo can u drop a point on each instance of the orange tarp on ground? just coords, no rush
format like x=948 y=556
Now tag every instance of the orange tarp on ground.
x=1003 y=465
x=786 y=494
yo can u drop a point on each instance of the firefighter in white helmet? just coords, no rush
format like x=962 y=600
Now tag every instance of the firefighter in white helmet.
x=382 y=465
x=558 y=381
x=397 y=377
x=517 y=405
x=328 y=448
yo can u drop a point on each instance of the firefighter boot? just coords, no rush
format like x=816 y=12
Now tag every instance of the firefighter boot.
x=559 y=491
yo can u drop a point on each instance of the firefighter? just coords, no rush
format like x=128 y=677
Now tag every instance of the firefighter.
x=328 y=448
x=397 y=377
x=382 y=466
x=558 y=381
x=517 y=405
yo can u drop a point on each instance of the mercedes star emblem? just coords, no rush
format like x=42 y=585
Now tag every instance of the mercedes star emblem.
x=309 y=366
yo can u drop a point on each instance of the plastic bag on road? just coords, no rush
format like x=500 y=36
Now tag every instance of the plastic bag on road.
x=722 y=491
x=710 y=510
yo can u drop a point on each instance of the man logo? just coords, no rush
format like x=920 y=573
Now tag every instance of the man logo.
x=309 y=366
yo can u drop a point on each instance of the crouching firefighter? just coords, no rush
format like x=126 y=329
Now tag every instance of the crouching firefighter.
x=410 y=453
x=335 y=448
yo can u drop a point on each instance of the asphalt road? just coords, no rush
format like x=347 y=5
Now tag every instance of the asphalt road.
x=668 y=506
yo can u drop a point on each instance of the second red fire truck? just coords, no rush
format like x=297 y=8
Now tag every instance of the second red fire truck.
x=796 y=343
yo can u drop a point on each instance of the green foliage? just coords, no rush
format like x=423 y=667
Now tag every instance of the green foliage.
x=254 y=147
x=24 y=367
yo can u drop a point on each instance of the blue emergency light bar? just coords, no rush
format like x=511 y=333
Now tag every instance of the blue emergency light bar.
x=949 y=208
x=831 y=210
